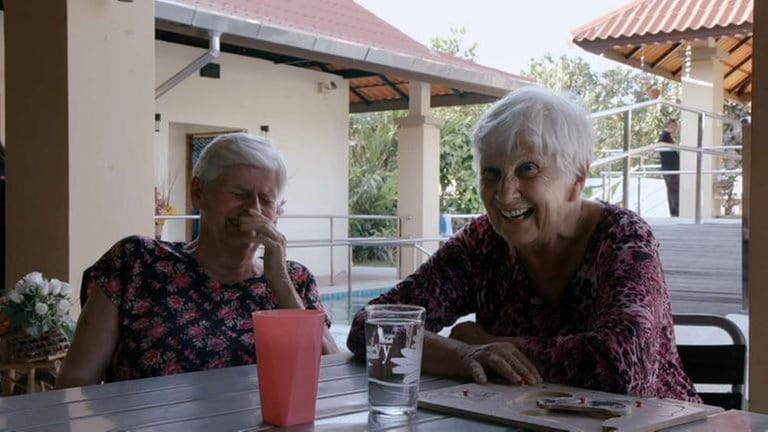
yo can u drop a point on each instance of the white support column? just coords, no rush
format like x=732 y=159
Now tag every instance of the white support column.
x=79 y=137
x=418 y=190
x=704 y=90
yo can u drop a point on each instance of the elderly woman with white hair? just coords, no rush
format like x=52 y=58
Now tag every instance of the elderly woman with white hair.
x=565 y=289
x=158 y=308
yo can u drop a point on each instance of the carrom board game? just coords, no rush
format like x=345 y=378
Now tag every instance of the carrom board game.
x=552 y=407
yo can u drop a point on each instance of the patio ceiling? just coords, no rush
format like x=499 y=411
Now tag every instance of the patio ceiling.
x=337 y=37
x=653 y=34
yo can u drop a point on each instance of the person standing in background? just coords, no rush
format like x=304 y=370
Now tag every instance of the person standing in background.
x=670 y=161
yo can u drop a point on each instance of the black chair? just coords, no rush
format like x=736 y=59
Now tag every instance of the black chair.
x=716 y=364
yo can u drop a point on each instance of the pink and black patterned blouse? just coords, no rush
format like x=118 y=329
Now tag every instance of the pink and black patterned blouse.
x=612 y=330
x=173 y=317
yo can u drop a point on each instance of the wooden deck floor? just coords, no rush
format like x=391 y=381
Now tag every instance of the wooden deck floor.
x=702 y=265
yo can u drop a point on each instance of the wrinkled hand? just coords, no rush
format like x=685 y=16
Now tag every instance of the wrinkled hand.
x=502 y=358
x=470 y=333
x=264 y=231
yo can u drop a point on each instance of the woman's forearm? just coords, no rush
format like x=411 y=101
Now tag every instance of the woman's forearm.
x=285 y=293
x=472 y=333
x=329 y=345
x=93 y=345
x=441 y=356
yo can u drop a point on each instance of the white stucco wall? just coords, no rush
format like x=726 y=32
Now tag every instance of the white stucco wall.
x=309 y=127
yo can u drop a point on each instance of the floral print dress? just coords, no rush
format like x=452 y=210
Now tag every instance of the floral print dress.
x=611 y=331
x=173 y=317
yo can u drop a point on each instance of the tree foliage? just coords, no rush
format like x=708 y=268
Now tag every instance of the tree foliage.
x=458 y=192
x=611 y=88
x=373 y=180
x=373 y=161
x=455 y=44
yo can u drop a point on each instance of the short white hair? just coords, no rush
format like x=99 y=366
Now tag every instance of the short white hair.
x=240 y=149
x=553 y=124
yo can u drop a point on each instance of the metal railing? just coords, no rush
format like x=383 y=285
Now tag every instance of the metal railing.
x=608 y=175
x=332 y=242
x=333 y=217
x=628 y=152
x=366 y=241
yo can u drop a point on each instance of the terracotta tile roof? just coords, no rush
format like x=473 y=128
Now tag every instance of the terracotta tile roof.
x=655 y=17
x=652 y=35
x=339 y=19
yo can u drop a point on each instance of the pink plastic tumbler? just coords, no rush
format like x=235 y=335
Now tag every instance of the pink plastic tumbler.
x=288 y=347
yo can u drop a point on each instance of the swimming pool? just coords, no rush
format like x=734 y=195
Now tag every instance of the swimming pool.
x=336 y=303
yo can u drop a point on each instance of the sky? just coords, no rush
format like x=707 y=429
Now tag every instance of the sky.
x=508 y=32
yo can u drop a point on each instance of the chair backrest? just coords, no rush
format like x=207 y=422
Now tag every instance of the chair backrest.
x=716 y=364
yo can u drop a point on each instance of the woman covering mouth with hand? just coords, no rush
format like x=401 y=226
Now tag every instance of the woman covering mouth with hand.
x=159 y=308
x=563 y=289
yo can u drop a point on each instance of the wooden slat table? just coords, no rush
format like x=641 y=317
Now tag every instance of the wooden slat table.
x=228 y=400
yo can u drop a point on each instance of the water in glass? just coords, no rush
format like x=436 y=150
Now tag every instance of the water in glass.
x=394 y=348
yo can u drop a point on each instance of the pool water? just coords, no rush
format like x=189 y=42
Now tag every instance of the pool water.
x=336 y=303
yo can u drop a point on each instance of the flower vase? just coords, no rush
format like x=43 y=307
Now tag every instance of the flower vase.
x=159 y=230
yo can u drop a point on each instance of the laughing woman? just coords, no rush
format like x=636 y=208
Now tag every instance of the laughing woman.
x=158 y=308
x=564 y=289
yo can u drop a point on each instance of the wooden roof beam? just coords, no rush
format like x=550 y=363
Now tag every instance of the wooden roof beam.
x=667 y=54
x=632 y=52
x=739 y=65
x=360 y=96
x=393 y=86
x=743 y=84
x=344 y=73
x=739 y=44
x=467 y=98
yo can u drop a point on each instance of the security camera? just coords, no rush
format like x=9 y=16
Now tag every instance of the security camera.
x=326 y=86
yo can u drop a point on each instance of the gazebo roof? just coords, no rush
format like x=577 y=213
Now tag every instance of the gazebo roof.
x=653 y=34
x=338 y=37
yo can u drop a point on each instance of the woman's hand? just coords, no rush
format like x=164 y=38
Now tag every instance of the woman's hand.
x=503 y=358
x=483 y=352
x=470 y=333
x=449 y=356
x=264 y=231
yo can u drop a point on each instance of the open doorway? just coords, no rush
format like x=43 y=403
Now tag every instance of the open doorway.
x=174 y=170
x=196 y=143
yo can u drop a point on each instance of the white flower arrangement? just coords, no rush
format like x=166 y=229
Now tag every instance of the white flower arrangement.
x=38 y=305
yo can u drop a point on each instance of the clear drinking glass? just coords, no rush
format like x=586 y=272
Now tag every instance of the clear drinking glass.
x=394 y=336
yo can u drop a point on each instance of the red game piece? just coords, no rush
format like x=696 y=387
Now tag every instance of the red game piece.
x=466 y=393
x=583 y=400
x=639 y=403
